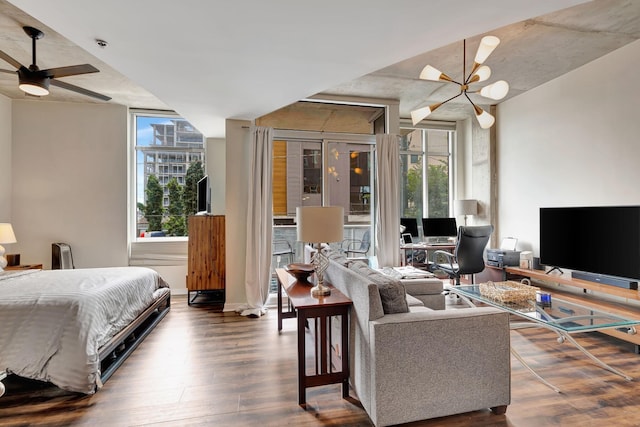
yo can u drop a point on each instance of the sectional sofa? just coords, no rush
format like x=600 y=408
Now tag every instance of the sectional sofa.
x=409 y=362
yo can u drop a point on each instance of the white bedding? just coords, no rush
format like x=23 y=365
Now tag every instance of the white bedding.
x=53 y=322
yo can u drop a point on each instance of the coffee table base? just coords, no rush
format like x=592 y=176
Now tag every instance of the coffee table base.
x=562 y=337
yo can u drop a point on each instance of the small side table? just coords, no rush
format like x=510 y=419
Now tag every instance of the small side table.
x=25 y=267
x=303 y=306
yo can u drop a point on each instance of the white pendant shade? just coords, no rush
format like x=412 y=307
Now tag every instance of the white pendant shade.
x=487 y=45
x=421 y=113
x=497 y=90
x=485 y=119
x=432 y=73
x=483 y=73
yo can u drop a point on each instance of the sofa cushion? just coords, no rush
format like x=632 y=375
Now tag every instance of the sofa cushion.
x=392 y=292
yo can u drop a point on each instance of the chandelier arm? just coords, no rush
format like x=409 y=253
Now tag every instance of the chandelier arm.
x=452 y=98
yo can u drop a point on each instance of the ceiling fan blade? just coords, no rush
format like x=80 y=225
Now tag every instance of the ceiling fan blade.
x=78 y=89
x=10 y=60
x=7 y=71
x=72 y=70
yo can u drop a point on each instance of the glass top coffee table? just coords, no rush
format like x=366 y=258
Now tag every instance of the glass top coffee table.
x=562 y=317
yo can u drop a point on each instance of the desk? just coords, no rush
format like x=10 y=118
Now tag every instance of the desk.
x=423 y=247
x=319 y=309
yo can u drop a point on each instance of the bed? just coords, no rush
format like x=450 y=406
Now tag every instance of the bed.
x=74 y=328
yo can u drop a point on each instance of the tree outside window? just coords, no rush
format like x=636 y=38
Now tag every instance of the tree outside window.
x=170 y=155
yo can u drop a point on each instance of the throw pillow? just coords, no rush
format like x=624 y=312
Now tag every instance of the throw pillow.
x=392 y=293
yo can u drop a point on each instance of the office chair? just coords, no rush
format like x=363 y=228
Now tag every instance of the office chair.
x=467 y=257
x=356 y=246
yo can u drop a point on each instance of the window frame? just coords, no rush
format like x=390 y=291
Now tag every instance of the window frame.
x=132 y=231
x=426 y=152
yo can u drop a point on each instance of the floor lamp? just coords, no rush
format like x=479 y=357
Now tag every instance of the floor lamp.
x=320 y=224
x=465 y=207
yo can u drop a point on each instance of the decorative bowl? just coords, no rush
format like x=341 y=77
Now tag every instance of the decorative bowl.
x=300 y=271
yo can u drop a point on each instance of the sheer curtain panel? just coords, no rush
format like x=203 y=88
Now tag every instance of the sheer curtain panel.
x=259 y=219
x=387 y=200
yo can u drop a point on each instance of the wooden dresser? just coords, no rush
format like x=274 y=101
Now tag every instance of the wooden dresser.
x=206 y=275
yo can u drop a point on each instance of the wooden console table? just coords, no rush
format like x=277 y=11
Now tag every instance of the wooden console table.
x=319 y=309
x=543 y=279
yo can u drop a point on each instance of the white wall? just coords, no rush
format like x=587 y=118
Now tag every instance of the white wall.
x=570 y=142
x=69 y=173
x=5 y=162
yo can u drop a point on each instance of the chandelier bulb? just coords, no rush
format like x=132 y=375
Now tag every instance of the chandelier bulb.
x=432 y=73
x=419 y=114
x=497 y=90
x=485 y=119
x=487 y=45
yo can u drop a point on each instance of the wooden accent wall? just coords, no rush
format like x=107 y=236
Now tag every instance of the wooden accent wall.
x=279 y=177
x=206 y=253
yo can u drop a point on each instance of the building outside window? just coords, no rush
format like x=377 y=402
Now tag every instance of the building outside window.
x=169 y=160
x=426 y=192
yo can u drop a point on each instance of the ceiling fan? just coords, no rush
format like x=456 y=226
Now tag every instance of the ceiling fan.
x=34 y=81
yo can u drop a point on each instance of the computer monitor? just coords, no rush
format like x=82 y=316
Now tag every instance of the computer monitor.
x=439 y=227
x=410 y=225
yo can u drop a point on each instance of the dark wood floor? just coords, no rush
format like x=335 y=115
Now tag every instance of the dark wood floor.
x=201 y=367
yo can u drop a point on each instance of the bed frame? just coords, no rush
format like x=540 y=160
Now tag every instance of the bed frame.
x=115 y=352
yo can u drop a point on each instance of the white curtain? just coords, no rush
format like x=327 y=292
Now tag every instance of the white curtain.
x=388 y=200
x=259 y=223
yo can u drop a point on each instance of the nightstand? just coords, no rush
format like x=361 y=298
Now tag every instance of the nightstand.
x=24 y=267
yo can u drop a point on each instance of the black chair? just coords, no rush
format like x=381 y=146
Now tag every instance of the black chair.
x=355 y=246
x=468 y=256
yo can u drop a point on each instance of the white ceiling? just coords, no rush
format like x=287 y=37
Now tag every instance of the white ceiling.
x=241 y=59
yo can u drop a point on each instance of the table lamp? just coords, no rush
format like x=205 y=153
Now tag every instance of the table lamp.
x=6 y=236
x=465 y=207
x=320 y=224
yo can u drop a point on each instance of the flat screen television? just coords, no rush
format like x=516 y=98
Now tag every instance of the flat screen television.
x=598 y=239
x=410 y=226
x=203 y=196
x=439 y=227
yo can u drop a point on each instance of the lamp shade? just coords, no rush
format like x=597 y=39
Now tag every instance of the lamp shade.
x=465 y=207
x=320 y=224
x=6 y=233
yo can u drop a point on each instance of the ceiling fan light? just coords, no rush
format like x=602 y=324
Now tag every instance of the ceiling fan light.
x=487 y=45
x=33 y=85
x=421 y=113
x=432 y=73
x=497 y=90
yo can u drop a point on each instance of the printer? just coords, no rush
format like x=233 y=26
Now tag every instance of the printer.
x=504 y=256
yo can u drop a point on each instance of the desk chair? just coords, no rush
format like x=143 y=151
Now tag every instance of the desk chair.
x=355 y=246
x=468 y=256
x=282 y=248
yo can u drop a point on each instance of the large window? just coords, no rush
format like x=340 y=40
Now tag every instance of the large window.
x=169 y=158
x=426 y=180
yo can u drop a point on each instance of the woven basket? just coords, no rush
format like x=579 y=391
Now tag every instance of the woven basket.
x=509 y=292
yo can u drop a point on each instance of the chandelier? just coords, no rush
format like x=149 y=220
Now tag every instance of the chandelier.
x=479 y=73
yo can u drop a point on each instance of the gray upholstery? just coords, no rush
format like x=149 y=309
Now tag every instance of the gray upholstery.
x=425 y=363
